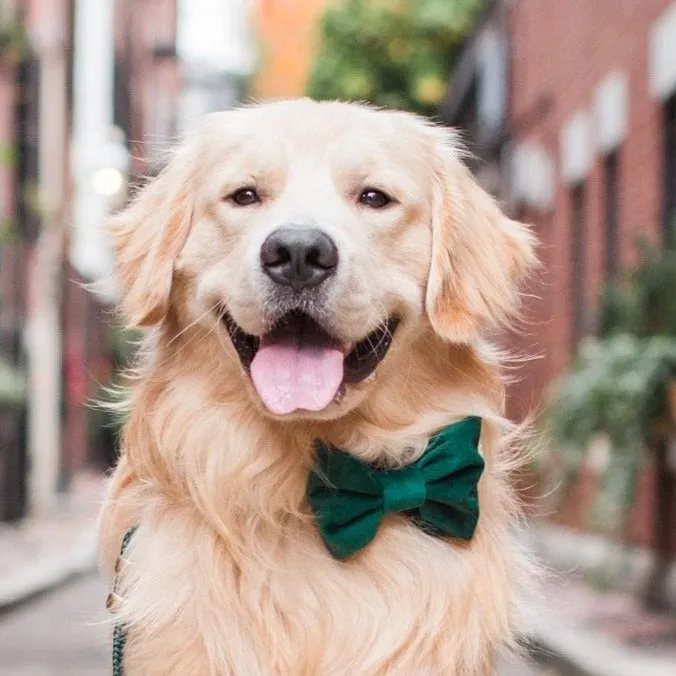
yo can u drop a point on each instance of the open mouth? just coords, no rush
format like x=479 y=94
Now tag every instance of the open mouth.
x=298 y=365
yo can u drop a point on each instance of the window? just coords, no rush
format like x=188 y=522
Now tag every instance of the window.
x=578 y=246
x=28 y=139
x=669 y=198
x=611 y=215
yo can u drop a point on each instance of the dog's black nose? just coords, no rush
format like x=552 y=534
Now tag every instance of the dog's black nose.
x=299 y=257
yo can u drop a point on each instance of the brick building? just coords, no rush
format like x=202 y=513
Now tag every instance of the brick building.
x=51 y=328
x=571 y=109
x=604 y=73
x=147 y=79
x=146 y=85
x=35 y=58
x=15 y=170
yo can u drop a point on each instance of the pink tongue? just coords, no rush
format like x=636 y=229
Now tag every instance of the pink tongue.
x=290 y=376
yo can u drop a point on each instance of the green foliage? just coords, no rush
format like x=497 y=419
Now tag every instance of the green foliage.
x=393 y=53
x=109 y=408
x=7 y=158
x=644 y=303
x=7 y=230
x=617 y=386
x=13 y=39
x=12 y=385
x=8 y=155
x=123 y=344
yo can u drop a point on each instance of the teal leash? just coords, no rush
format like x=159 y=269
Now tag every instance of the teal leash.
x=120 y=631
x=119 y=639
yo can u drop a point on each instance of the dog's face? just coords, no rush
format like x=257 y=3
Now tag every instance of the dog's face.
x=325 y=238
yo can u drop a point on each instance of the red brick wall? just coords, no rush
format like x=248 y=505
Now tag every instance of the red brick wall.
x=561 y=51
x=142 y=26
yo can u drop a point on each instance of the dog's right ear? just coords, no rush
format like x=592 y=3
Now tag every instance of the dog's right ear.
x=147 y=238
x=479 y=255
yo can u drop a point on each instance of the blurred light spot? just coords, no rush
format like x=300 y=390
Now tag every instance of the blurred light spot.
x=108 y=181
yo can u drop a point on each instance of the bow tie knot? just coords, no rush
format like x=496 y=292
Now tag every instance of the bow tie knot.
x=349 y=497
x=403 y=489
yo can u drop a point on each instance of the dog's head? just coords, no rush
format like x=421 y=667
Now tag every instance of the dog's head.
x=322 y=239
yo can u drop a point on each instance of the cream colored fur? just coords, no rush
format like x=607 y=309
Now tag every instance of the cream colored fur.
x=227 y=573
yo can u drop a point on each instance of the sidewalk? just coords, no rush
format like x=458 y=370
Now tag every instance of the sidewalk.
x=594 y=633
x=40 y=553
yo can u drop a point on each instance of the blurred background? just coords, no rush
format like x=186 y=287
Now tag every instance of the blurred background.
x=569 y=109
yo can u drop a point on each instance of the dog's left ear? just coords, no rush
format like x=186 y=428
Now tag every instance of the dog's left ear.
x=479 y=256
x=147 y=238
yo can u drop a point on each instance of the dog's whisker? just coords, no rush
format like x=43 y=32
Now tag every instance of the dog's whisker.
x=207 y=312
x=190 y=342
x=383 y=331
x=231 y=357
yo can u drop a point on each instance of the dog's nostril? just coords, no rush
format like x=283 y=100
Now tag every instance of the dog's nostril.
x=274 y=253
x=299 y=257
x=312 y=257
x=323 y=257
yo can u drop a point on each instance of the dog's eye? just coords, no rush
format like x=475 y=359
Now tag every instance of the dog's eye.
x=376 y=199
x=245 y=197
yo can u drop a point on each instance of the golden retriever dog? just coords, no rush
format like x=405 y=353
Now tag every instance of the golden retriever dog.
x=310 y=271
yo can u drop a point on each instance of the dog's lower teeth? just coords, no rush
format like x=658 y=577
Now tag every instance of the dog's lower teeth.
x=340 y=395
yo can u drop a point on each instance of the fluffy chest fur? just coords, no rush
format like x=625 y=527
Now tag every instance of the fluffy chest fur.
x=410 y=604
x=242 y=584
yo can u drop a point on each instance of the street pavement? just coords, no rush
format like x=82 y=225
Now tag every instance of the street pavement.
x=63 y=633
x=66 y=633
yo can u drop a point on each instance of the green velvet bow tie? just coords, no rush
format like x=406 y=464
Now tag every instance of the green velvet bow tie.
x=438 y=491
